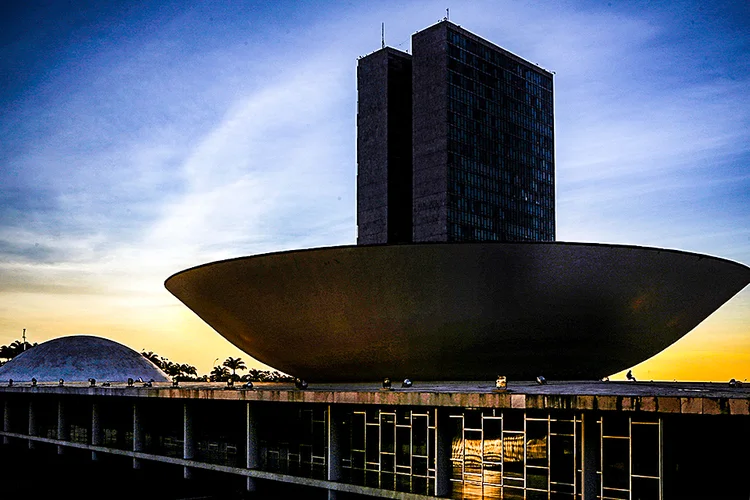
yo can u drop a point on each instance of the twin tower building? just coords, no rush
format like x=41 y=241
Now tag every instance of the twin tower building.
x=455 y=142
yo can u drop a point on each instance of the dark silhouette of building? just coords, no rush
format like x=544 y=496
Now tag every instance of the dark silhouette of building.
x=384 y=178
x=455 y=143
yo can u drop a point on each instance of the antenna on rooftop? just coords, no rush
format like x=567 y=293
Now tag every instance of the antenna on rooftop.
x=382 y=35
x=447 y=14
x=24 y=339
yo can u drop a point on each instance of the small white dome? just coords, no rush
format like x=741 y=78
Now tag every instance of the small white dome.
x=78 y=358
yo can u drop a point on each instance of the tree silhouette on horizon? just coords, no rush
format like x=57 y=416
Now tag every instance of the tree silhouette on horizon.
x=234 y=364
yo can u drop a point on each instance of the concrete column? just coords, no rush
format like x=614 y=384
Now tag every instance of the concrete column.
x=62 y=426
x=188 y=439
x=661 y=458
x=96 y=429
x=32 y=423
x=6 y=420
x=333 y=459
x=137 y=434
x=252 y=457
x=443 y=443
x=591 y=439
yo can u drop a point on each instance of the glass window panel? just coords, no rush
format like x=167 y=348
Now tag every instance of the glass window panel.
x=562 y=488
x=473 y=419
x=372 y=443
x=372 y=479
x=513 y=420
x=306 y=425
x=387 y=436
x=419 y=466
x=473 y=443
x=419 y=435
x=387 y=481
x=356 y=476
x=387 y=463
x=403 y=417
x=387 y=418
x=419 y=485
x=457 y=470
x=513 y=445
x=645 y=488
x=457 y=445
x=373 y=416
x=536 y=443
x=358 y=459
x=305 y=453
x=358 y=431
x=493 y=451
x=616 y=466
x=562 y=466
x=402 y=445
x=403 y=483
x=513 y=493
x=562 y=496
x=616 y=425
x=617 y=494
x=493 y=473
x=645 y=442
x=536 y=478
x=472 y=464
x=561 y=427
x=319 y=438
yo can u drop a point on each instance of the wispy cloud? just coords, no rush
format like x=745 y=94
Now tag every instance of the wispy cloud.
x=199 y=133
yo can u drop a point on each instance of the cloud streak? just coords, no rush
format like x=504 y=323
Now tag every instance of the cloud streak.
x=193 y=133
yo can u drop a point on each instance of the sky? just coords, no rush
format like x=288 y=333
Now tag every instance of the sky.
x=141 y=138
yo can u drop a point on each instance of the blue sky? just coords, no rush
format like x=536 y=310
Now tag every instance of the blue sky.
x=141 y=138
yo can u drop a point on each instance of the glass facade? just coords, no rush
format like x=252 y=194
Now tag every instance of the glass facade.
x=500 y=146
x=391 y=448
x=296 y=442
x=493 y=453
x=462 y=452
x=515 y=454
x=530 y=455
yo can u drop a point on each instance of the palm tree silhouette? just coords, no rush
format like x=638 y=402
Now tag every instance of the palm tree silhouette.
x=219 y=374
x=234 y=364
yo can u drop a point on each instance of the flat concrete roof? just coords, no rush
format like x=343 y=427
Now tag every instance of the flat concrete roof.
x=699 y=398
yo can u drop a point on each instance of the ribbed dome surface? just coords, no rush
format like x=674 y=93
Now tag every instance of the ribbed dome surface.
x=78 y=358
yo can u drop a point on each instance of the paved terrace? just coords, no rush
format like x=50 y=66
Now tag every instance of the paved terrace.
x=658 y=397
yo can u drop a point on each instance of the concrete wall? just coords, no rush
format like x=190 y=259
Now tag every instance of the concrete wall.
x=383 y=145
x=430 y=129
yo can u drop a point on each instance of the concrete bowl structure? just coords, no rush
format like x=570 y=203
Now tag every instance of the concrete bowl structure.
x=458 y=311
x=78 y=358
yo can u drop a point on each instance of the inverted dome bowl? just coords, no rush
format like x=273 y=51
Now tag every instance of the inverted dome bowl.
x=448 y=311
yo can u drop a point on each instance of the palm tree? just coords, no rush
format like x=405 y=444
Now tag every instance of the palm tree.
x=154 y=358
x=171 y=369
x=15 y=348
x=188 y=370
x=234 y=364
x=6 y=352
x=219 y=374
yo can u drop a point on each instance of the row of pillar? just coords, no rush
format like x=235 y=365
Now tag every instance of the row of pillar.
x=252 y=458
x=334 y=433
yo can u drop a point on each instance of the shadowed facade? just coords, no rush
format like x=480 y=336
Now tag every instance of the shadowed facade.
x=458 y=311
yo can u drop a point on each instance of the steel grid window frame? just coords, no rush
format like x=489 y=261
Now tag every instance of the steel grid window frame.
x=522 y=483
x=600 y=469
x=374 y=418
